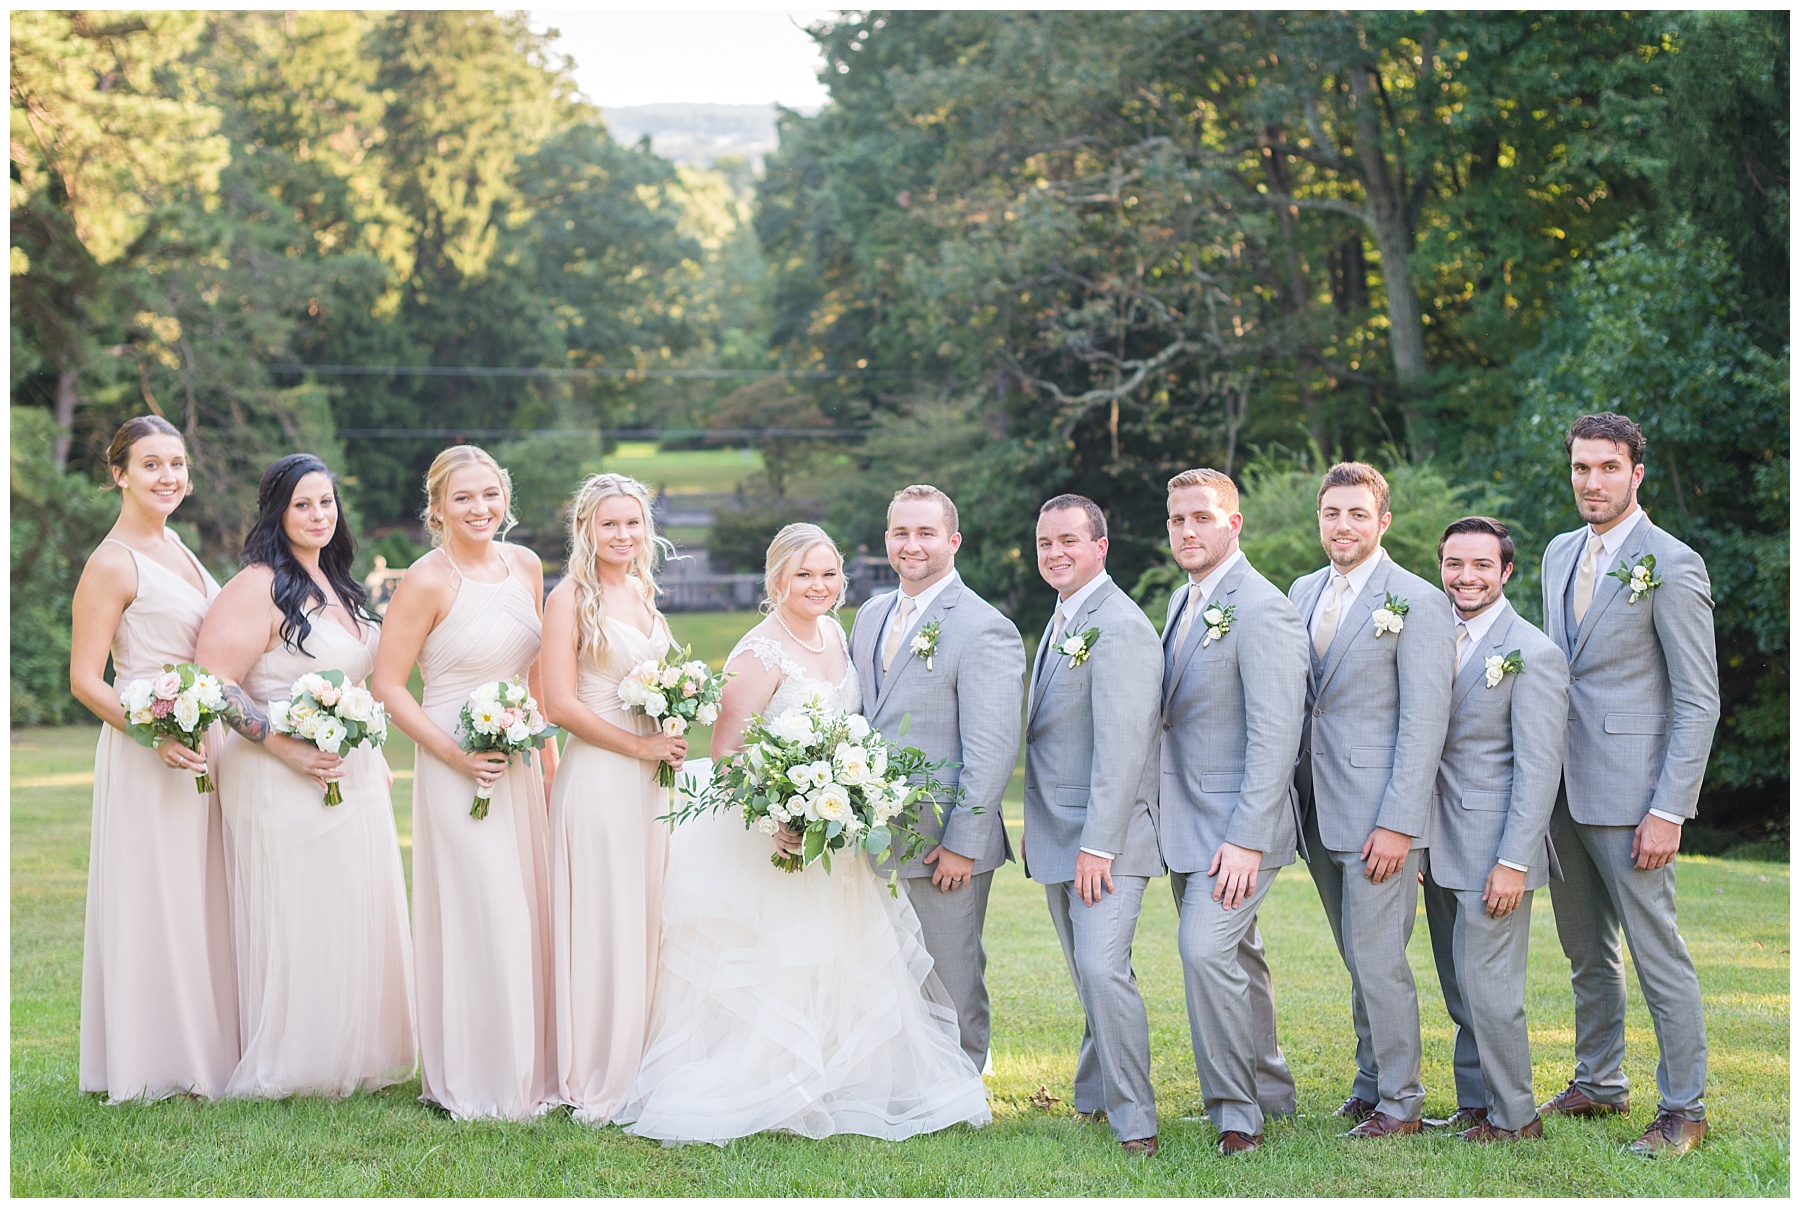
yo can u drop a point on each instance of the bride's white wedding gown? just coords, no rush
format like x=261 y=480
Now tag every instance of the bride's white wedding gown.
x=802 y=1002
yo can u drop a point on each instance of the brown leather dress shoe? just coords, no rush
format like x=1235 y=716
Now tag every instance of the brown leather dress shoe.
x=1464 y=1118
x=1489 y=1133
x=1233 y=1143
x=1571 y=1102
x=1669 y=1135
x=1143 y=1147
x=1355 y=1110
x=1380 y=1124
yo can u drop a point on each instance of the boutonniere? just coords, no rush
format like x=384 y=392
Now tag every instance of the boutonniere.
x=1218 y=623
x=1079 y=647
x=1499 y=668
x=1391 y=616
x=1641 y=579
x=924 y=643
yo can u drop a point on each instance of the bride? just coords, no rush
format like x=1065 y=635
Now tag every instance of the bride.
x=801 y=1002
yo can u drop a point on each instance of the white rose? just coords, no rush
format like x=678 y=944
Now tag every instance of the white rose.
x=1073 y=646
x=794 y=728
x=358 y=704
x=518 y=733
x=670 y=676
x=859 y=727
x=1212 y=617
x=142 y=717
x=673 y=727
x=330 y=735
x=851 y=764
x=878 y=760
x=831 y=803
x=187 y=712
x=822 y=772
x=801 y=776
x=655 y=704
x=278 y=716
x=1494 y=670
x=378 y=723
x=136 y=697
x=631 y=693
x=515 y=694
x=312 y=682
x=767 y=825
x=706 y=715
x=795 y=808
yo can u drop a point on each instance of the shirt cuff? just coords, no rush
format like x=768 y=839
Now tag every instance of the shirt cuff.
x=1511 y=865
x=1675 y=818
x=1104 y=855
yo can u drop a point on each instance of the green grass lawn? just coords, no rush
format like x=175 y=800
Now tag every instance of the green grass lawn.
x=683 y=470
x=1734 y=914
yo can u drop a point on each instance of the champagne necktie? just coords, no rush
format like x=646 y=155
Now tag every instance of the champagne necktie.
x=1584 y=577
x=1187 y=618
x=1328 y=620
x=1462 y=644
x=891 y=647
x=1050 y=650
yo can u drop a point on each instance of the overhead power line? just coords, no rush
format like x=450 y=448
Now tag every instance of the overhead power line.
x=610 y=433
x=516 y=371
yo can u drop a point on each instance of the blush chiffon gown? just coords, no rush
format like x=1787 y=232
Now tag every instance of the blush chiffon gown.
x=481 y=887
x=158 y=994
x=318 y=904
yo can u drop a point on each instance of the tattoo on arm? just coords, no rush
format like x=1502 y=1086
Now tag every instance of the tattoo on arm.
x=245 y=715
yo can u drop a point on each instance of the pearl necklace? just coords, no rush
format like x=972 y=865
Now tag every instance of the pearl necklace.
x=819 y=649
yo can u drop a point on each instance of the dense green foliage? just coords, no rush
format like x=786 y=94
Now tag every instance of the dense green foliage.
x=1087 y=250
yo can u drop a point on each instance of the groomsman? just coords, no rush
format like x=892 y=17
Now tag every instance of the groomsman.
x=1234 y=693
x=1632 y=607
x=1090 y=805
x=1490 y=821
x=1377 y=703
x=936 y=650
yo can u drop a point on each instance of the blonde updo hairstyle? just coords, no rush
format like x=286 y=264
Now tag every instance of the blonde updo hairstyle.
x=790 y=545
x=584 y=569
x=437 y=485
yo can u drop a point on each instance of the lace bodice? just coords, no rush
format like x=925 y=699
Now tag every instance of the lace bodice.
x=797 y=685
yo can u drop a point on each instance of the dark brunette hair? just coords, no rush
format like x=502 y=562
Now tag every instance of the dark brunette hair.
x=1481 y=524
x=295 y=592
x=1609 y=426
x=118 y=453
x=1095 y=517
x=1357 y=474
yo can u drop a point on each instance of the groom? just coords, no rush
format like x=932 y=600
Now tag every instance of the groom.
x=939 y=652
x=1091 y=732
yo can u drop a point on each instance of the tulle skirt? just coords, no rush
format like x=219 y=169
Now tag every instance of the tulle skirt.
x=799 y=1002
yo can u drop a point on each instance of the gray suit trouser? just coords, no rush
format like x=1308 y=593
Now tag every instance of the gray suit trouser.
x=951 y=925
x=1602 y=892
x=1231 y=1005
x=1112 y=1073
x=1372 y=924
x=1481 y=966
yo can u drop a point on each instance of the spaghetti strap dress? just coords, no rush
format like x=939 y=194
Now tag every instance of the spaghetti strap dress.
x=158 y=994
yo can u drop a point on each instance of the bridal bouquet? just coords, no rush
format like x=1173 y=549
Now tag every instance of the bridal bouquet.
x=676 y=694
x=502 y=717
x=332 y=715
x=827 y=775
x=182 y=703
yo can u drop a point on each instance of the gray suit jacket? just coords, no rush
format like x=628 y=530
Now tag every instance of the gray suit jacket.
x=1502 y=760
x=1090 y=745
x=965 y=707
x=1643 y=680
x=1376 y=711
x=1232 y=715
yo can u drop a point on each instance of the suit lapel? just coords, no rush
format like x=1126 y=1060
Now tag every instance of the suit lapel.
x=1047 y=649
x=1556 y=572
x=1475 y=670
x=1352 y=623
x=1606 y=588
x=868 y=652
x=1227 y=587
x=904 y=656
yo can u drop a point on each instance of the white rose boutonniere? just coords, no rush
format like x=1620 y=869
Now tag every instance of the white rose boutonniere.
x=1499 y=667
x=1080 y=646
x=1641 y=578
x=1218 y=623
x=1391 y=616
x=925 y=642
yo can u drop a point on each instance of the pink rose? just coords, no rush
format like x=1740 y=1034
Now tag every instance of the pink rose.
x=690 y=688
x=510 y=718
x=167 y=685
x=327 y=694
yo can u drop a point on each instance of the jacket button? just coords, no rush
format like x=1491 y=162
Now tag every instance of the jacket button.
x=1318 y=713
x=1167 y=726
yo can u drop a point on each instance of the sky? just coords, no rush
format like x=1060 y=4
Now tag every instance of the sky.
x=722 y=58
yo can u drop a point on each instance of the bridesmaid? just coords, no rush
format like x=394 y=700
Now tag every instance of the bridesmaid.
x=469 y=613
x=607 y=850
x=158 y=1008
x=318 y=898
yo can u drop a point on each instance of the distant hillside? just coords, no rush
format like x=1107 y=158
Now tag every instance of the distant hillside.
x=697 y=134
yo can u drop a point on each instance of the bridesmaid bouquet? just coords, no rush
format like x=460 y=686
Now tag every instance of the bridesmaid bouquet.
x=674 y=693
x=503 y=717
x=182 y=703
x=332 y=715
x=831 y=777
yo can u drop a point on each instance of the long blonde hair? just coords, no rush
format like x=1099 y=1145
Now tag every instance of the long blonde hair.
x=590 y=601
x=789 y=546
x=437 y=482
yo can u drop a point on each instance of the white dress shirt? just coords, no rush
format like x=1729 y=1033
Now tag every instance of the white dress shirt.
x=920 y=602
x=1210 y=584
x=1358 y=578
x=1611 y=542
